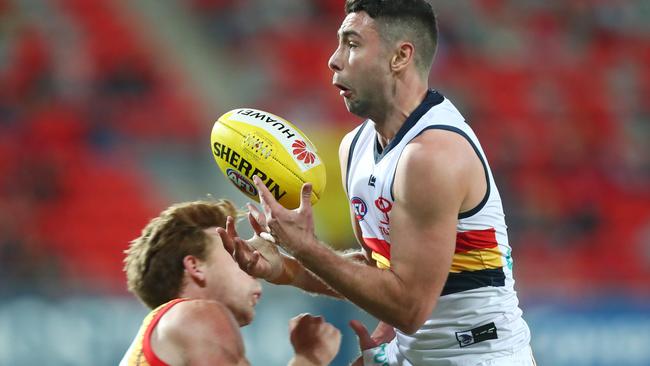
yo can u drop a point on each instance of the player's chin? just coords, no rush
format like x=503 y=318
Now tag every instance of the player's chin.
x=246 y=317
x=356 y=108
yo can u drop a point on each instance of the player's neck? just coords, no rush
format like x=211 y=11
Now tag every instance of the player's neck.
x=404 y=100
x=192 y=291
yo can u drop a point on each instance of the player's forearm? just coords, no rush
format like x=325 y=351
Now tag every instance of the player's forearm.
x=309 y=282
x=295 y=274
x=379 y=292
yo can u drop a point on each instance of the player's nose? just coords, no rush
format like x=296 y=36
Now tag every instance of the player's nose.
x=334 y=62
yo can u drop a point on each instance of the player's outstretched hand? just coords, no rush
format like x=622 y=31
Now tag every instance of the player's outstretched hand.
x=384 y=333
x=315 y=341
x=292 y=229
x=256 y=256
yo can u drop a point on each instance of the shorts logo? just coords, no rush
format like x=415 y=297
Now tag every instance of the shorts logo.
x=360 y=208
x=241 y=182
x=476 y=335
x=465 y=338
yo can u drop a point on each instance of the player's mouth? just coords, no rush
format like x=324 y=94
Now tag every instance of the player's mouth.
x=344 y=90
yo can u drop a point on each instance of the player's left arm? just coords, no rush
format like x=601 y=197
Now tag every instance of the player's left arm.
x=432 y=181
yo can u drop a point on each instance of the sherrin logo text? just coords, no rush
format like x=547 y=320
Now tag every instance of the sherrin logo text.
x=246 y=171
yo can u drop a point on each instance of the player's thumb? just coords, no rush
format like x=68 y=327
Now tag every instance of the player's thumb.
x=305 y=197
x=365 y=342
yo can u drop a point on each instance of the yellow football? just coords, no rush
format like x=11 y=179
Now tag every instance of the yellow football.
x=247 y=142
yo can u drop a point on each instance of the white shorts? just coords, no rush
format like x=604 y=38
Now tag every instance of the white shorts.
x=519 y=358
x=382 y=356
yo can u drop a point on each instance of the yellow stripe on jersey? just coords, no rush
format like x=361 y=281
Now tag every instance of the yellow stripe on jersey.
x=382 y=262
x=141 y=353
x=136 y=358
x=476 y=260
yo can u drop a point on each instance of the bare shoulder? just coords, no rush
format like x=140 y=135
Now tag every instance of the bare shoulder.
x=446 y=149
x=195 y=324
x=187 y=317
x=434 y=169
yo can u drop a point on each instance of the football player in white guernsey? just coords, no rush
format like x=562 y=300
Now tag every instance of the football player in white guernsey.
x=436 y=265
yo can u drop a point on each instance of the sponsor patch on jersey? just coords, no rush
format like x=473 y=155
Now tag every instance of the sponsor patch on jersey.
x=360 y=208
x=476 y=335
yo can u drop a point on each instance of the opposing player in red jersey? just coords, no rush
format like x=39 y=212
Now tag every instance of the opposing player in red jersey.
x=182 y=268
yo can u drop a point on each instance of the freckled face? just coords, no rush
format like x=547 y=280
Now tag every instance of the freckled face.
x=228 y=284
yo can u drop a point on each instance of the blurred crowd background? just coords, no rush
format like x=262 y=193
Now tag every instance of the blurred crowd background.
x=106 y=109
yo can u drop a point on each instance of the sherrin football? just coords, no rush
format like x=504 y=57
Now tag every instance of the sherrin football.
x=248 y=142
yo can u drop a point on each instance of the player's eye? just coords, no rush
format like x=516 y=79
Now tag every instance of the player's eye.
x=352 y=45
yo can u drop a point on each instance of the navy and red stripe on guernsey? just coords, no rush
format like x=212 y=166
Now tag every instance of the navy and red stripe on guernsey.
x=482 y=262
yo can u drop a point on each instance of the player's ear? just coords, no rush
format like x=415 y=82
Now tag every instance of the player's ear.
x=194 y=267
x=402 y=57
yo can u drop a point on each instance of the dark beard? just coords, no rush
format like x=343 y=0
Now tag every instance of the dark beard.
x=358 y=107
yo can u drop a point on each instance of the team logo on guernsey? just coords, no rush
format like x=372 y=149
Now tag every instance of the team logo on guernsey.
x=360 y=208
x=384 y=206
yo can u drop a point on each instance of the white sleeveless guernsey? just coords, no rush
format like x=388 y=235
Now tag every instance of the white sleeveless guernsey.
x=477 y=316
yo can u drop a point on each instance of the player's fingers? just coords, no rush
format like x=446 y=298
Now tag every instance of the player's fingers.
x=268 y=237
x=255 y=258
x=226 y=240
x=305 y=197
x=365 y=342
x=242 y=254
x=255 y=219
x=293 y=322
x=334 y=332
x=383 y=333
x=311 y=319
x=329 y=330
x=230 y=227
x=305 y=319
x=269 y=204
x=257 y=215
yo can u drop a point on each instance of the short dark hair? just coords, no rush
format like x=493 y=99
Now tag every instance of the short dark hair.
x=413 y=20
